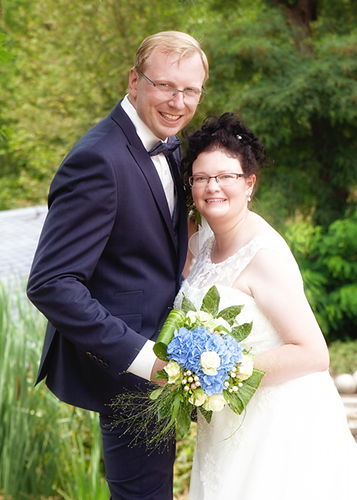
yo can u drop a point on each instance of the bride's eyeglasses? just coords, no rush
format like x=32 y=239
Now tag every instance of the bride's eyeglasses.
x=225 y=179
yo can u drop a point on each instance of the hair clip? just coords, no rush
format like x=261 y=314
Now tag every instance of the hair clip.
x=238 y=136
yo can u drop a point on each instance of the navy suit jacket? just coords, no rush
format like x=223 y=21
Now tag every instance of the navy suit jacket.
x=108 y=265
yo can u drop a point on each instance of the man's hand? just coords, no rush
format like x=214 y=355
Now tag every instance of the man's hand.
x=158 y=365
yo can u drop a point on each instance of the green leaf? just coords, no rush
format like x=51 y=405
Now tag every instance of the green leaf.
x=239 y=400
x=184 y=418
x=234 y=401
x=173 y=322
x=156 y=393
x=206 y=413
x=160 y=349
x=165 y=407
x=161 y=374
x=173 y=410
x=187 y=305
x=241 y=332
x=210 y=302
x=250 y=386
x=230 y=313
x=255 y=379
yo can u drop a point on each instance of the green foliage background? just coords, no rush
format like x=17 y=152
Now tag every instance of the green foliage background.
x=296 y=86
x=292 y=81
x=288 y=67
x=328 y=261
x=70 y=66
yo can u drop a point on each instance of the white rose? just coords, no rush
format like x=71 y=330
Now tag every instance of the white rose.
x=210 y=361
x=204 y=317
x=191 y=316
x=245 y=368
x=198 y=399
x=173 y=370
x=215 y=403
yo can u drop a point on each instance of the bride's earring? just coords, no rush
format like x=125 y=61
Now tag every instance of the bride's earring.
x=249 y=197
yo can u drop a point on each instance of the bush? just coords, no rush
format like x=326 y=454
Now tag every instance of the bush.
x=328 y=263
x=343 y=357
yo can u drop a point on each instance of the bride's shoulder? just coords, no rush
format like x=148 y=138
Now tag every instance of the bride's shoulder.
x=267 y=238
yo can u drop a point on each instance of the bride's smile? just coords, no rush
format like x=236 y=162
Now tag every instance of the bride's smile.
x=215 y=200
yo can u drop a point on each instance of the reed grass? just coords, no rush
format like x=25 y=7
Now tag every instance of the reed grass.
x=27 y=455
x=47 y=448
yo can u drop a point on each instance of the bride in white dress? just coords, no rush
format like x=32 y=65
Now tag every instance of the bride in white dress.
x=293 y=443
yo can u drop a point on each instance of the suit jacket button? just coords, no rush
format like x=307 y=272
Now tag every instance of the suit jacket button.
x=89 y=354
x=94 y=358
x=105 y=366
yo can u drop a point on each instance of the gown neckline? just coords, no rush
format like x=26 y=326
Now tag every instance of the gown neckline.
x=210 y=246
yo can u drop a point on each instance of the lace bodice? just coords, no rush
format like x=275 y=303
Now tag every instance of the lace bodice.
x=205 y=274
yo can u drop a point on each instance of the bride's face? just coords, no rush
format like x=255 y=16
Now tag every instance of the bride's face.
x=215 y=200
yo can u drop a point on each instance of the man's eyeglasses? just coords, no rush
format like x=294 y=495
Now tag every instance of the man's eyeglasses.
x=191 y=96
x=225 y=179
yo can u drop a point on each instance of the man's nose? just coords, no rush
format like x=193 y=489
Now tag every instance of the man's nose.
x=178 y=100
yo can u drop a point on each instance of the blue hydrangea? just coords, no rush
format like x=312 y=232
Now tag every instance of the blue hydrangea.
x=187 y=346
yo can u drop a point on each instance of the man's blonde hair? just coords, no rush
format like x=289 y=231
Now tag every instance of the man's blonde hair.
x=170 y=41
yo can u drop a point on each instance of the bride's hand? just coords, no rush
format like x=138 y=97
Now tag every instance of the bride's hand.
x=158 y=365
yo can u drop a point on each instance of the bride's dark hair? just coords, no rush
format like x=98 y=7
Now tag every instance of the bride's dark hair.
x=229 y=135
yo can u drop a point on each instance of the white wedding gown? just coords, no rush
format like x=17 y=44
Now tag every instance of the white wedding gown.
x=294 y=442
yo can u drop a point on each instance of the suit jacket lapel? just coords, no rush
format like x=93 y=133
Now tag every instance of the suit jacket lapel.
x=145 y=164
x=148 y=169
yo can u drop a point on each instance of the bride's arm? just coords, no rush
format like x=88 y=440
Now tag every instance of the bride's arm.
x=276 y=285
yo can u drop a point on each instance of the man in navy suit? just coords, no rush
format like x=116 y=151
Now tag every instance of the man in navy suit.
x=111 y=253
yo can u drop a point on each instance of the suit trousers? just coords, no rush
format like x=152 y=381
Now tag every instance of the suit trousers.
x=133 y=472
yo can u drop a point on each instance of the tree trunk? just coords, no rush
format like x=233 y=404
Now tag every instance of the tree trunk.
x=301 y=13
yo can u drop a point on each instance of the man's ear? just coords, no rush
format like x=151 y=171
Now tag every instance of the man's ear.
x=133 y=85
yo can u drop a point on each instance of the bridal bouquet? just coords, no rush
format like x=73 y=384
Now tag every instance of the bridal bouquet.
x=207 y=369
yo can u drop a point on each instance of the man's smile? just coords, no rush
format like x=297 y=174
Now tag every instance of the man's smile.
x=170 y=118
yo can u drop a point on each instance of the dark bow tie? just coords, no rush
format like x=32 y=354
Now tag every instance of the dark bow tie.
x=166 y=148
